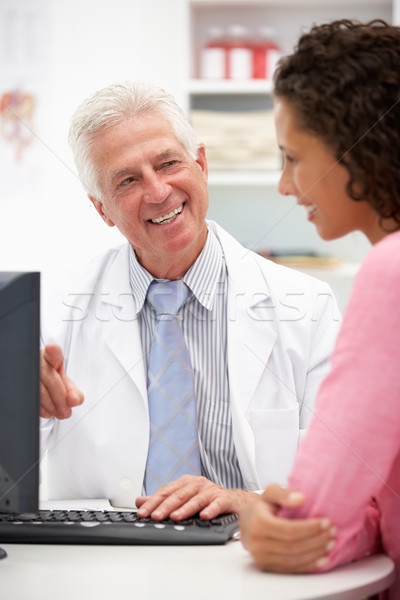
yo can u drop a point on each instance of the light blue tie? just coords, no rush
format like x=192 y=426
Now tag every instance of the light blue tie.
x=174 y=444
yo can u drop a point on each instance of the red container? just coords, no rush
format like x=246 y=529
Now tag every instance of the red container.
x=240 y=53
x=214 y=55
x=266 y=54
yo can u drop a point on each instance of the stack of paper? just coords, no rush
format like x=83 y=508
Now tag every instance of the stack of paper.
x=238 y=140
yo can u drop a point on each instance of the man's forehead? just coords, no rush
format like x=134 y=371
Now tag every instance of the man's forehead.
x=152 y=144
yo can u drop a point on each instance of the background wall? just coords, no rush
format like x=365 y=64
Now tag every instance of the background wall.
x=47 y=221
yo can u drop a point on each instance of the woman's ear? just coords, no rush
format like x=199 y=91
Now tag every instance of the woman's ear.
x=100 y=209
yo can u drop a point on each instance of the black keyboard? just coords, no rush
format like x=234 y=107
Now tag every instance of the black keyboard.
x=112 y=527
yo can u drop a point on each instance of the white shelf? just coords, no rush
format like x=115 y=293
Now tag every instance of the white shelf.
x=254 y=178
x=255 y=192
x=226 y=86
x=289 y=3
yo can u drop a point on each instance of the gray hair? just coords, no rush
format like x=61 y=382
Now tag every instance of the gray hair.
x=112 y=105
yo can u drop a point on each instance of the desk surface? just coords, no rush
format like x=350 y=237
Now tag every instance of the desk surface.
x=44 y=572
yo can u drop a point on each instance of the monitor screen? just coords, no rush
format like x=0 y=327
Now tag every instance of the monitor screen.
x=19 y=391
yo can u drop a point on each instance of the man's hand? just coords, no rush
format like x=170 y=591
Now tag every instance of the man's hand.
x=284 y=545
x=58 y=394
x=190 y=495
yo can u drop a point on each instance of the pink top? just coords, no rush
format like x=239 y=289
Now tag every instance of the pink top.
x=348 y=465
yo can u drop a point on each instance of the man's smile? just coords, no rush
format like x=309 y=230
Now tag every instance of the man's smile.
x=168 y=218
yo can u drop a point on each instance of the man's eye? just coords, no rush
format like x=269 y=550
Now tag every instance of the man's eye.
x=127 y=181
x=169 y=163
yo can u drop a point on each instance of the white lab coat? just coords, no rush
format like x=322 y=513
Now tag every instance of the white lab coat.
x=281 y=329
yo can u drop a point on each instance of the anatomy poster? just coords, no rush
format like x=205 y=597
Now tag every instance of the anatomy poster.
x=23 y=73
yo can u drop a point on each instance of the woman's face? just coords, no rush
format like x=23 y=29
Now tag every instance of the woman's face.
x=312 y=174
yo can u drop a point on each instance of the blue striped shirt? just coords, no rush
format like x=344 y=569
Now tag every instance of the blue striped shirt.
x=204 y=324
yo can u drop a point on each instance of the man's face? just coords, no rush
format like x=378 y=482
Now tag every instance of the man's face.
x=154 y=192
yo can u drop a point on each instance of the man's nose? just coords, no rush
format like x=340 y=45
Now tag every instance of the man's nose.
x=156 y=189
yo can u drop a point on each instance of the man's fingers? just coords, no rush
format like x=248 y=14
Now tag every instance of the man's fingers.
x=213 y=501
x=171 y=497
x=190 y=495
x=148 y=504
x=48 y=408
x=74 y=394
x=57 y=393
x=181 y=499
x=217 y=506
x=53 y=356
x=53 y=392
x=141 y=500
x=199 y=503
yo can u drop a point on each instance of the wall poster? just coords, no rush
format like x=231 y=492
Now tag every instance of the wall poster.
x=23 y=75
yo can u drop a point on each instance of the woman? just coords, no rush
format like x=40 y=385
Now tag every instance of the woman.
x=337 y=109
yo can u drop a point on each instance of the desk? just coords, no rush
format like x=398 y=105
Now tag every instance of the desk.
x=44 y=572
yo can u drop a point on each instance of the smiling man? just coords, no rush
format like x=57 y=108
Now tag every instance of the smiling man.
x=258 y=336
x=154 y=192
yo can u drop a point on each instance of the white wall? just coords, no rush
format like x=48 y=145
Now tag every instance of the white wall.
x=47 y=221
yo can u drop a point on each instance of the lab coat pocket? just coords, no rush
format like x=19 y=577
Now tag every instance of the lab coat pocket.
x=276 y=438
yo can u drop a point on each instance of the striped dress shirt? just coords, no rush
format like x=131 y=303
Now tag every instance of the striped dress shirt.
x=203 y=318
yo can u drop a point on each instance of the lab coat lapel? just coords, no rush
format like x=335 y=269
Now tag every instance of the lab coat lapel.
x=121 y=321
x=251 y=336
x=251 y=339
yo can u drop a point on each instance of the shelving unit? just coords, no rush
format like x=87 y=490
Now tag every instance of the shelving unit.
x=287 y=18
x=251 y=87
x=246 y=202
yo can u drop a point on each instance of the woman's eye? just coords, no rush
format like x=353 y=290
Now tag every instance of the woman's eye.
x=289 y=159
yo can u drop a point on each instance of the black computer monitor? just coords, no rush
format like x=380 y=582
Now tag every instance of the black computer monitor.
x=19 y=391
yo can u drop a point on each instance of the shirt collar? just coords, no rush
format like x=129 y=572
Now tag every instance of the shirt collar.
x=205 y=273
x=140 y=279
x=202 y=277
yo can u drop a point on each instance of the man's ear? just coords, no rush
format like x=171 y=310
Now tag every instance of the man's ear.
x=99 y=207
x=202 y=161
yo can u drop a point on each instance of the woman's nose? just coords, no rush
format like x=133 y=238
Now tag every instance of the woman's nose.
x=285 y=184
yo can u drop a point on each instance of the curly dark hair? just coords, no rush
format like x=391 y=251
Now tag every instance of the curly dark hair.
x=343 y=82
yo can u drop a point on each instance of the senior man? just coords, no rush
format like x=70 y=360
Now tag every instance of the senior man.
x=257 y=336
